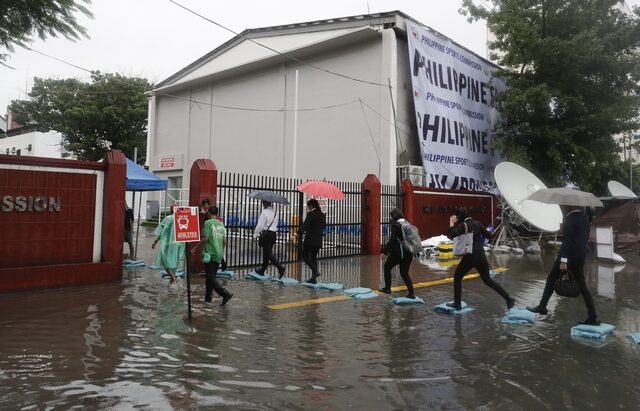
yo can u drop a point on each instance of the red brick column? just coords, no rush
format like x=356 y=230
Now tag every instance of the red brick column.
x=115 y=181
x=409 y=202
x=203 y=183
x=371 y=208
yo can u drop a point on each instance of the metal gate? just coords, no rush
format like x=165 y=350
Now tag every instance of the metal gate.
x=391 y=198
x=343 y=234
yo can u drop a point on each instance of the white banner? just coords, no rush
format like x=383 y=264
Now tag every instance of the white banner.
x=452 y=90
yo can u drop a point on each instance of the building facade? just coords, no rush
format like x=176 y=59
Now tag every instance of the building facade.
x=328 y=99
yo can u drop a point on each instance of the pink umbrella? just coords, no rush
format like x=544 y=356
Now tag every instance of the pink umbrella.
x=321 y=189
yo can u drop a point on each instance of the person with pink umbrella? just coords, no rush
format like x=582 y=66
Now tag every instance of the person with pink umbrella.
x=313 y=229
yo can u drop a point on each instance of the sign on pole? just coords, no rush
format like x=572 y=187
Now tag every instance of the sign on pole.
x=186 y=229
x=186 y=224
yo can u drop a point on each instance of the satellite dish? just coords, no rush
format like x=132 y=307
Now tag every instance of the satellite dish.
x=619 y=190
x=516 y=184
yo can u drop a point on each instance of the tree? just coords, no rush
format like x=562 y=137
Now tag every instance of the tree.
x=110 y=112
x=21 y=21
x=573 y=70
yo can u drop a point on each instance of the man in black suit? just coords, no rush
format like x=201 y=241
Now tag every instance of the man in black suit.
x=313 y=227
x=575 y=235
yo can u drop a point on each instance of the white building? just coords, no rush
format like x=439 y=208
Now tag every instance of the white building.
x=325 y=99
x=29 y=141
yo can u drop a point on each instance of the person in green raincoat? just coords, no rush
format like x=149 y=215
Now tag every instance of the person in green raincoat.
x=169 y=252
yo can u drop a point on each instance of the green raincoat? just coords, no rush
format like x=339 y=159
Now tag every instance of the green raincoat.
x=169 y=251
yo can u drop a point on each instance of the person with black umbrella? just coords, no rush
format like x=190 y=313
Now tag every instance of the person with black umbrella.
x=266 y=231
x=573 y=252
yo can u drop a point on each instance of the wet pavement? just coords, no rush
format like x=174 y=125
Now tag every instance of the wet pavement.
x=129 y=345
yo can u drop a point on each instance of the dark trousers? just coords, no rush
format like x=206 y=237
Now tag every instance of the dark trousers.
x=211 y=283
x=403 y=262
x=267 y=253
x=310 y=257
x=480 y=263
x=577 y=270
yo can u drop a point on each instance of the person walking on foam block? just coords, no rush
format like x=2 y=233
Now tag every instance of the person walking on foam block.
x=313 y=228
x=573 y=252
x=268 y=224
x=397 y=255
x=170 y=252
x=214 y=240
x=459 y=224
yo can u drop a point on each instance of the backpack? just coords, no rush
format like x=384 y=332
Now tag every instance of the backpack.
x=411 y=238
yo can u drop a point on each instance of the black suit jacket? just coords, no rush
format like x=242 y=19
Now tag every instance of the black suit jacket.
x=313 y=228
x=575 y=236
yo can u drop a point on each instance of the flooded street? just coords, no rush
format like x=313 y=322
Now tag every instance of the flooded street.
x=129 y=345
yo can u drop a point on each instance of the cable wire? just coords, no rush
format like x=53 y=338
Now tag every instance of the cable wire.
x=276 y=51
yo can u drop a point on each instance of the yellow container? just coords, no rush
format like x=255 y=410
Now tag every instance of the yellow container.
x=445 y=250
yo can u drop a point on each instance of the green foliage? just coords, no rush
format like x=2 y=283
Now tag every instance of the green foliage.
x=573 y=70
x=22 y=20
x=110 y=112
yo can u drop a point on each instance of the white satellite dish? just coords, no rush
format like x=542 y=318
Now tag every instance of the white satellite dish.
x=619 y=190
x=516 y=184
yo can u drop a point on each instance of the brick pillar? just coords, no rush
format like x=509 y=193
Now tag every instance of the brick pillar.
x=371 y=206
x=115 y=180
x=203 y=183
x=409 y=202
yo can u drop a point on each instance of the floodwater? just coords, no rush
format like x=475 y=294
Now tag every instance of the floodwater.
x=130 y=345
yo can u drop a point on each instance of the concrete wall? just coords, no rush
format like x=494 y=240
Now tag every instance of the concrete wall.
x=340 y=143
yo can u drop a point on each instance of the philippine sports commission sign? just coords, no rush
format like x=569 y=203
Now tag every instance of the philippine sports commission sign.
x=452 y=91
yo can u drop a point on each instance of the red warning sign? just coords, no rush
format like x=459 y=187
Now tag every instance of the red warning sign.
x=186 y=224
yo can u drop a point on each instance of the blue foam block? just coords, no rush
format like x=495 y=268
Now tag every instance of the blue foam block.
x=366 y=296
x=635 y=337
x=178 y=273
x=133 y=262
x=444 y=309
x=407 y=301
x=155 y=267
x=255 y=276
x=519 y=315
x=286 y=281
x=324 y=286
x=358 y=290
x=592 y=332
x=225 y=274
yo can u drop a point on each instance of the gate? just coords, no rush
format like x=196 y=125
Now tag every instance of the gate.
x=391 y=198
x=343 y=234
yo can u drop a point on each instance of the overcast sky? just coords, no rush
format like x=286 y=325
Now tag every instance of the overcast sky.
x=156 y=38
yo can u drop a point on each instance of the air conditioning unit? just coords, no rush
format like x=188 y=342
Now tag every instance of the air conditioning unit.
x=415 y=174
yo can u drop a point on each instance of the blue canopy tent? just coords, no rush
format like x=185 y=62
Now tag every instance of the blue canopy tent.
x=141 y=179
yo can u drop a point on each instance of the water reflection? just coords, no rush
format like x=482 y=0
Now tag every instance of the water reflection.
x=129 y=346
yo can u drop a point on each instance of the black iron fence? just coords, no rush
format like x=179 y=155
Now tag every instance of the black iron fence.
x=343 y=234
x=391 y=198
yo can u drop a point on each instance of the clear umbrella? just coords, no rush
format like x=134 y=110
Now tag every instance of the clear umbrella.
x=565 y=196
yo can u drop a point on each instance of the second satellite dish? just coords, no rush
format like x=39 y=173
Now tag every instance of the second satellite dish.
x=516 y=183
x=619 y=190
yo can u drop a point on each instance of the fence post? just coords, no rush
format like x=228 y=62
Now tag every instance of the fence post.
x=113 y=207
x=408 y=201
x=371 y=206
x=203 y=183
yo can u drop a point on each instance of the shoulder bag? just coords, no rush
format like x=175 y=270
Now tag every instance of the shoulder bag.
x=463 y=244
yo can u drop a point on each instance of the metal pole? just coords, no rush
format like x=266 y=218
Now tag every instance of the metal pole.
x=186 y=274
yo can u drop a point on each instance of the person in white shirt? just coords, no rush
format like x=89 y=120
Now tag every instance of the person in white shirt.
x=266 y=232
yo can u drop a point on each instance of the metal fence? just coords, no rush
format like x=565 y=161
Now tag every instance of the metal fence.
x=342 y=234
x=391 y=197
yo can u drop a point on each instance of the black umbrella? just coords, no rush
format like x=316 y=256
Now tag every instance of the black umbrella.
x=269 y=196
